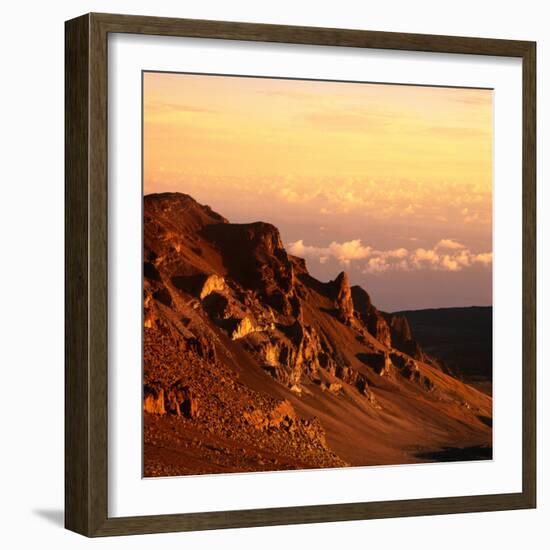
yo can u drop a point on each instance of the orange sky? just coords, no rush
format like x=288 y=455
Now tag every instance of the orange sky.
x=376 y=179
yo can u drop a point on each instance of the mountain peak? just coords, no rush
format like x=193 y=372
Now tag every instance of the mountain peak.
x=342 y=279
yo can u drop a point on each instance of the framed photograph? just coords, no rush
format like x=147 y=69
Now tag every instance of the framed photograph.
x=300 y=275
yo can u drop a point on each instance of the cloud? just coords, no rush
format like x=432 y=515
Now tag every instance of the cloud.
x=290 y=195
x=350 y=250
x=416 y=201
x=343 y=252
x=450 y=244
x=449 y=264
x=377 y=265
x=486 y=258
x=421 y=255
x=397 y=253
x=449 y=255
x=446 y=255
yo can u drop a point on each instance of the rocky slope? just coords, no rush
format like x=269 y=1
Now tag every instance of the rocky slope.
x=252 y=364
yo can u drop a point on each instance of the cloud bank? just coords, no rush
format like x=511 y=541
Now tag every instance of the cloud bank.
x=445 y=255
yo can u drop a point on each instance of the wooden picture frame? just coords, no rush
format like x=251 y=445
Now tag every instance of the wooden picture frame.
x=86 y=221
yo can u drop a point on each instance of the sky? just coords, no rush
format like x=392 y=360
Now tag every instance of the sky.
x=390 y=183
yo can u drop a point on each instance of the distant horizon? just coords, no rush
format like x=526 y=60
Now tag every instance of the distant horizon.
x=437 y=308
x=390 y=183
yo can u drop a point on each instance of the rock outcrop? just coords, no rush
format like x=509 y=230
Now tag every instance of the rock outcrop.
x=211 y=284
x=401 y=328
x=153 y=400
x=178 y=400
x=342 y=297
x=255 y=258
x=402 y=338
x=370 y=316
x=243 y=327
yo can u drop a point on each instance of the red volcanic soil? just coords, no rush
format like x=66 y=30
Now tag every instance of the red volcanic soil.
x=251 y=364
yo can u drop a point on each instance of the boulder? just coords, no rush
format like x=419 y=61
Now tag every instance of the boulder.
x=153 y=400
x=182 y=401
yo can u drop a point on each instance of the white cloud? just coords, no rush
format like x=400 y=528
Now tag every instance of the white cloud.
x=349 y=250
x=421 y=255
x=446 y=255
x=486 y=258
x=464 y=258
x=298 y=248
x=450 y=244
x=397 y=253
x=377 y=265
x=343 y=252
x=448 y=263
x=449 y=255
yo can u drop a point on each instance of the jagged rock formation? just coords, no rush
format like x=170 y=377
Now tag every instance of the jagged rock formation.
x=342 y=297
x=250 y=363
x=370 y=316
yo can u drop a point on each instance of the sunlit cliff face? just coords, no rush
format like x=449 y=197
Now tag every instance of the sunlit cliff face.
x=391 y=183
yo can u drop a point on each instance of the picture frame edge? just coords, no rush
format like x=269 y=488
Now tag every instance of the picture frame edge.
x=86 y=280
